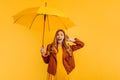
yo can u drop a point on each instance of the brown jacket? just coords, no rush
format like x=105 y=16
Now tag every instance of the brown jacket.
x=68 y=61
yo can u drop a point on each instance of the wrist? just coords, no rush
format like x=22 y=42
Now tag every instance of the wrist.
x=71 y=40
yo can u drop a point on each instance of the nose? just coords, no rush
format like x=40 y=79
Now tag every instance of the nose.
x=59 y=36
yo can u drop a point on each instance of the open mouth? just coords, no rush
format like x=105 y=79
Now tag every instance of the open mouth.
x=59 y=39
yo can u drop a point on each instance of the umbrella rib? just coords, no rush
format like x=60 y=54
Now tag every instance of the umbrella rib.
x=18 y=18
x=32 y=21
x=61 y=21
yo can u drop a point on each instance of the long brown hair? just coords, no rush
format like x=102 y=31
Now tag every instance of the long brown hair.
x=54 y=44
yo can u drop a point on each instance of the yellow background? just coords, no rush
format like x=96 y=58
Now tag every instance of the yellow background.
x=98 y=26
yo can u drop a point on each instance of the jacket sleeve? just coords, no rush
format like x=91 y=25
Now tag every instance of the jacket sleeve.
x=46 y=56
x=78 y=44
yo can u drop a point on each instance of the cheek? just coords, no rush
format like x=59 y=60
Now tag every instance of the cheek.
x=56 y=37
x=62 y=37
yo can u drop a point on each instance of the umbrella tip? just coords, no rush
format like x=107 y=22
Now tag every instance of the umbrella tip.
x=45 y=4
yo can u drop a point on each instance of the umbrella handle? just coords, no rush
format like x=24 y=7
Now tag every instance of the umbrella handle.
x=43 y=39
x=43 y=46
x=43 y=31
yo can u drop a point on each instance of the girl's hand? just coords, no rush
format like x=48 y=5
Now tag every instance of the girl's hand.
x=69 y=39
x=66 y=37
x=42 y=50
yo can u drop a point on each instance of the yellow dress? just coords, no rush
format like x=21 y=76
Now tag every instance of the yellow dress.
x=61 y=74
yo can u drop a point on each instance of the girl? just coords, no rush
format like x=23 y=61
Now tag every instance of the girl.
x=59 y=56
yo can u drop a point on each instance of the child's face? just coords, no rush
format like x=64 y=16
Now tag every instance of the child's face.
x=60 y=37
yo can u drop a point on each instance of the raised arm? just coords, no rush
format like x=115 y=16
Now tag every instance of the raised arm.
x=78 y=44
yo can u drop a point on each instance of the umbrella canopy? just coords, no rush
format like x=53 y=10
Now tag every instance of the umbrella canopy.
x=43 y=17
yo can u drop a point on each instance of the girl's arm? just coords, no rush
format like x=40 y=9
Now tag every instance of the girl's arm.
x=78 y=44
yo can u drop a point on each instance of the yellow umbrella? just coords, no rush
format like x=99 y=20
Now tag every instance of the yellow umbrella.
x=43 y=16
